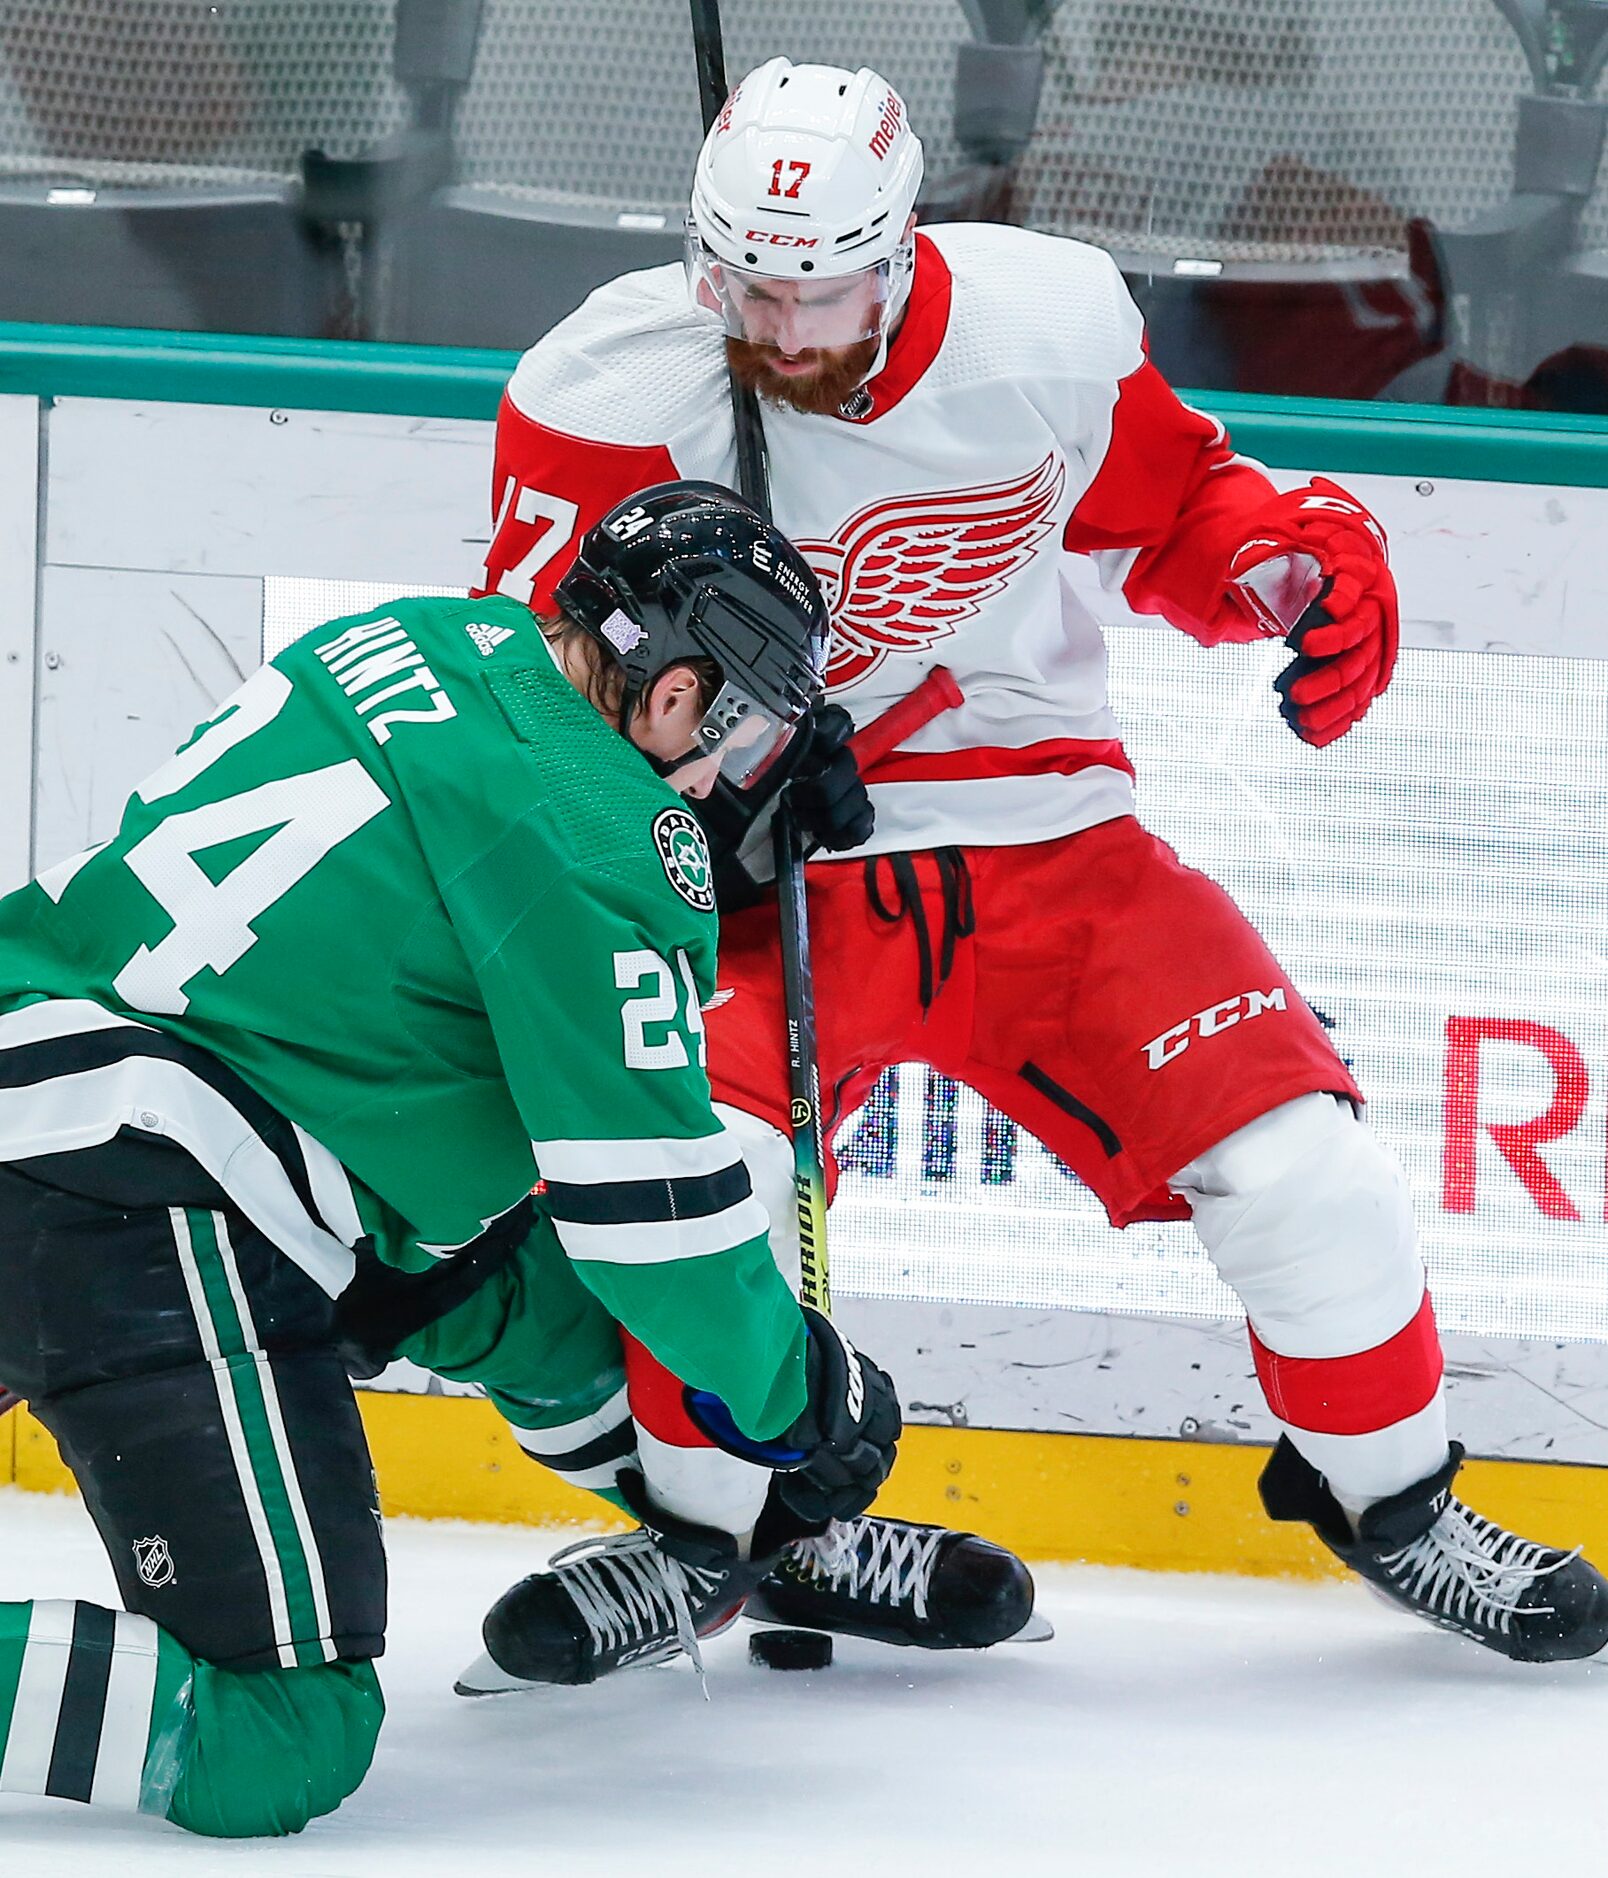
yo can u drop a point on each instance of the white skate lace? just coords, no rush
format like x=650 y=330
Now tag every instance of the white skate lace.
x=1469 y=1569
x=628 y=1591
x=883 y=1561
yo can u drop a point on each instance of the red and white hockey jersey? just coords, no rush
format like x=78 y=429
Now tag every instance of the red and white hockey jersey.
x=1017 y=420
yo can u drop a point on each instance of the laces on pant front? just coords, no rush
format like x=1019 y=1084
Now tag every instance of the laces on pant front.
x=959 y=913
x=884 y=1561
x=1468 y=1568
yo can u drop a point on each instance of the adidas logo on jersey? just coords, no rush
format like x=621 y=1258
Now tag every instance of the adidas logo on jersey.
x=488 y=638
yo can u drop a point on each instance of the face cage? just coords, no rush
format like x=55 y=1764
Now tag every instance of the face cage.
x=716 y=287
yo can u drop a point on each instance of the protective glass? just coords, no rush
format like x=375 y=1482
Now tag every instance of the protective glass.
x=746 y=736
x=792 y=314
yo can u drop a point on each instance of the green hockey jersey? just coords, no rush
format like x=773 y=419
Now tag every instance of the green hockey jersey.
x=424 y=900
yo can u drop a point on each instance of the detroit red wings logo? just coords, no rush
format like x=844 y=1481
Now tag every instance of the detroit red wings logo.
x=900 y=574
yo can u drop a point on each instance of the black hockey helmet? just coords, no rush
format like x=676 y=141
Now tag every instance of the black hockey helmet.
x=688 y=570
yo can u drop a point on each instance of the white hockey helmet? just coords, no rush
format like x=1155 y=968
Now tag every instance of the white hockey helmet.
x=810 y=173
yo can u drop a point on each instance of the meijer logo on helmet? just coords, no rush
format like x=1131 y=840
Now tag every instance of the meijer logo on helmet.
x=887 y=126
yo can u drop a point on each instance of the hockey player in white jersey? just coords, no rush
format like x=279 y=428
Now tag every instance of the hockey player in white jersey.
x=951 y=414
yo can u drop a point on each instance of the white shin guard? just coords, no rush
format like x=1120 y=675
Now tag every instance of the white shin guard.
x=1306 y=1216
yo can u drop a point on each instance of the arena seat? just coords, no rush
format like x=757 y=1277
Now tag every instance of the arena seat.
x=149 y=158
x=1255 y=166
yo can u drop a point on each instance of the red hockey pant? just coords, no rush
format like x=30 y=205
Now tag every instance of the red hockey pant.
x=1121 y=1008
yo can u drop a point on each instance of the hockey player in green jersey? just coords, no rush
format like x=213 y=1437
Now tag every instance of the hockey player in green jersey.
x=416 y=920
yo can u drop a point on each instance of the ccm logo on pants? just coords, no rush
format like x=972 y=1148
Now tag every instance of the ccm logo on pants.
x=1217 y=1017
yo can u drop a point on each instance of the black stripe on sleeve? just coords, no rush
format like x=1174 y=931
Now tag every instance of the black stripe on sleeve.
x=83 y=1704
x=647 y=1202
x=614 y=1445
x=25 y=1064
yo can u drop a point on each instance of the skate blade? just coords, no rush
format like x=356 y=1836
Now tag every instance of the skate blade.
x=483 y=1677
x=1037 y=1629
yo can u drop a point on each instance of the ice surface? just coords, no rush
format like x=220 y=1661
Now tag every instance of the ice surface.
x=1175 y=1726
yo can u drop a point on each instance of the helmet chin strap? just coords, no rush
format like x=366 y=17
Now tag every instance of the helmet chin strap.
x=661 y=766
x=668 y=767
x=879 y=358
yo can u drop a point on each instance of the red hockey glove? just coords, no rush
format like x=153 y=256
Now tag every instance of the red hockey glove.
x=1322 y=547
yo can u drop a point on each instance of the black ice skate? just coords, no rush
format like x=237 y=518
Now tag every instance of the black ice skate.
x=904 y=1584
x=1425 y=1550
x=611 y=1603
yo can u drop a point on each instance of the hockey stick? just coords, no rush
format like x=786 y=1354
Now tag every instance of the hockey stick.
x=7 y=1399
x=753 y=471
x=798 y=989
x=937 y=692
x=798 y=986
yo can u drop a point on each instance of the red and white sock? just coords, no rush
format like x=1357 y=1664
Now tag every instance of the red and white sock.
x=1371 y=1421
x=686 y=1474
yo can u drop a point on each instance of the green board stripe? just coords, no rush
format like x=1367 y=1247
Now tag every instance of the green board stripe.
x=268 y=1464
x=209 y=368
x=450 y=381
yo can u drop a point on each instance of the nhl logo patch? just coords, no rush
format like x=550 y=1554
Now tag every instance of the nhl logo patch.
x=685 y=853
x=154 y=1562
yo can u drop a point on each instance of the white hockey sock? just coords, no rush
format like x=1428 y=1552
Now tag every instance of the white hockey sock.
x=1361 y=1469
x=705 y=1486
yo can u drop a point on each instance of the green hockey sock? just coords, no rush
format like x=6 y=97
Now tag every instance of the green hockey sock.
x=275 y=1748
x=107 y=1708
x=94 y=1705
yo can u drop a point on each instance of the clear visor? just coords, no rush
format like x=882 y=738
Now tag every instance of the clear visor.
x=794 y=315
x=743 y=736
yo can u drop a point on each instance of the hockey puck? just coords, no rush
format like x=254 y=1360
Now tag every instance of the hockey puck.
x=790 y=1649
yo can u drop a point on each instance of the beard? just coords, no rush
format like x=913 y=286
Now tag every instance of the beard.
x=839 y=371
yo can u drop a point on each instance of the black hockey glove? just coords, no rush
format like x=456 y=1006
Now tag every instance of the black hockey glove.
x=847 y=1433
x=382 y=1307
x=833 y=1459
x=823 y=789
x=827 y=795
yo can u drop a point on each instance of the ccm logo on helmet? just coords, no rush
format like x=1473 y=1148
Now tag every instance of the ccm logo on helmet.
x=1208 y=1023
x=887 y=127
x=783 y=241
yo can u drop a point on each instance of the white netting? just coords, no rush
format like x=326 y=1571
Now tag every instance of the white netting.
x=581 y=101
x=184 y=92
x=1270 y=130
x=1224 y=129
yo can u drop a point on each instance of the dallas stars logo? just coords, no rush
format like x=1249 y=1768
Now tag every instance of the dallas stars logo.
x=685 y=854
